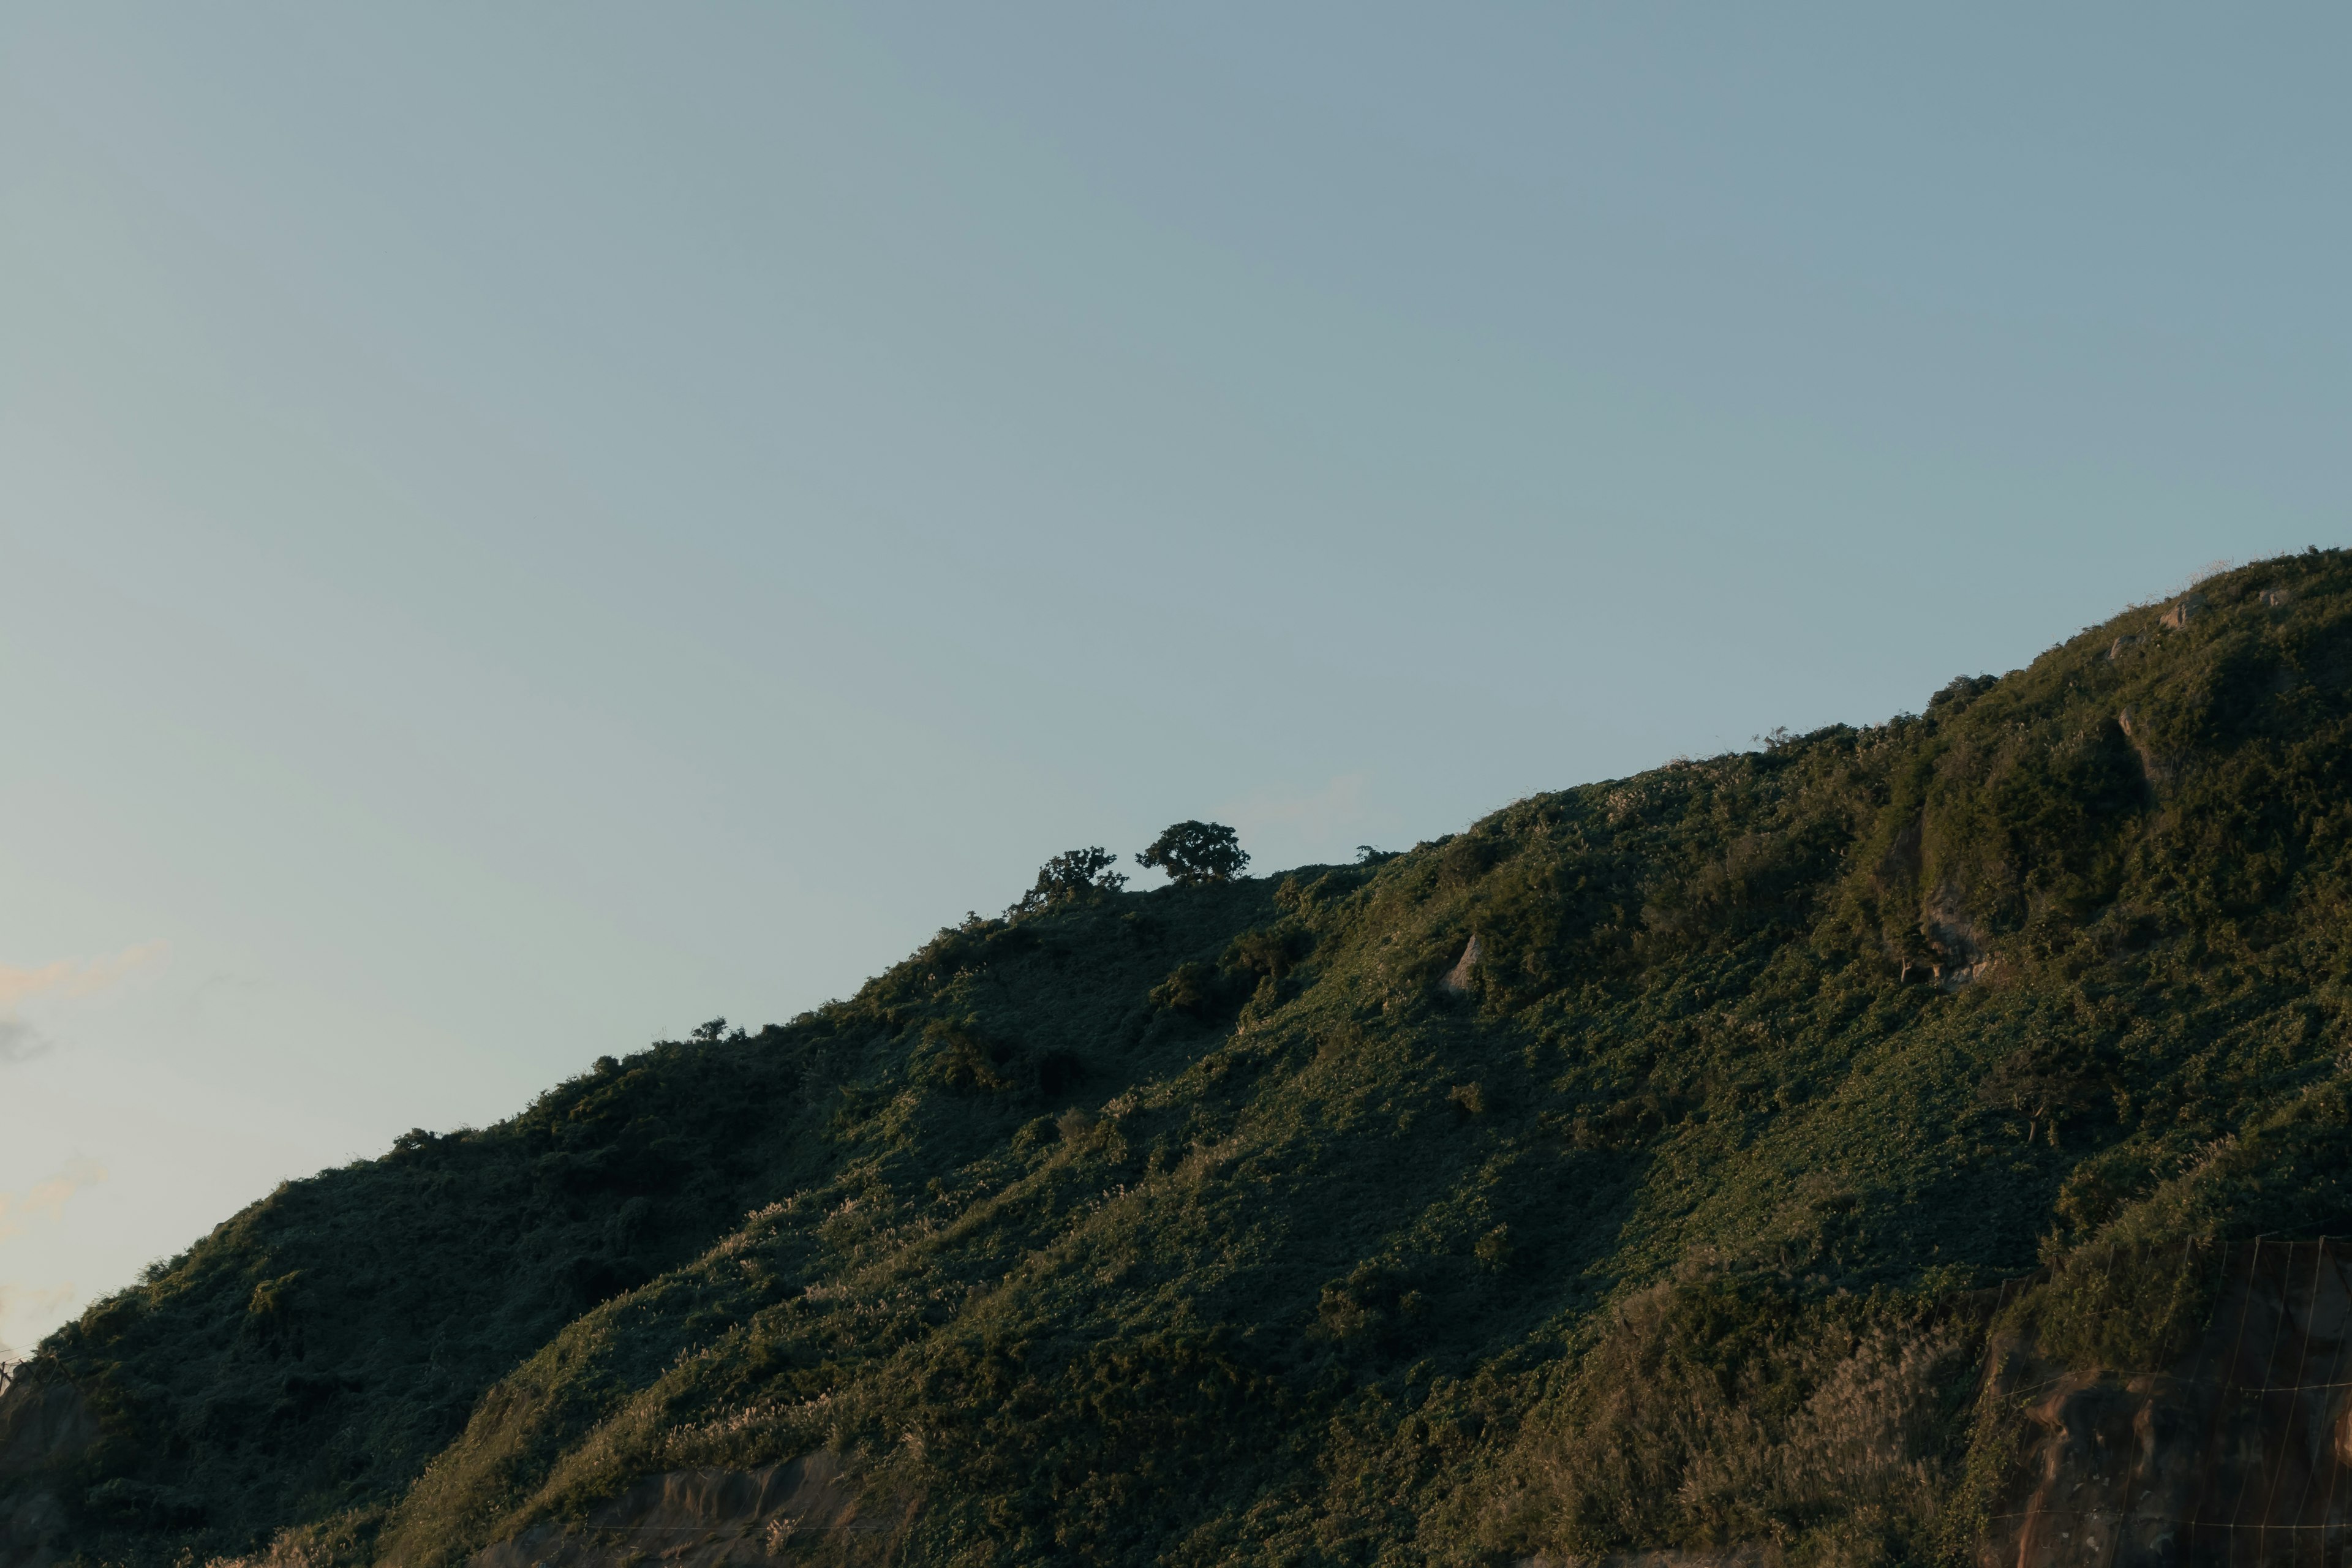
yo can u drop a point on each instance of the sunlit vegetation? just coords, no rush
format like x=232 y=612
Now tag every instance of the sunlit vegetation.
x=1206 y=1225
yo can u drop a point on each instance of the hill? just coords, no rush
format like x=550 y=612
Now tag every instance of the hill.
x=1721 y=1158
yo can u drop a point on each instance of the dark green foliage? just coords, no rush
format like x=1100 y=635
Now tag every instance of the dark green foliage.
x=319 y=1349
x=954 y=1055
x=1210 y=1226
x=1192 y=853
x=2129 y=1309
x=1270 y=950
x=1073 y=875
x=1194 y=988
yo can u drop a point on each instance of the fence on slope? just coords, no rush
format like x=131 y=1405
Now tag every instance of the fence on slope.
x=2234 y=1453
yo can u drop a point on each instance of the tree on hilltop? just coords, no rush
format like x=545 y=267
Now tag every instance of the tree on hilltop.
x=1073 y=875
x=1192 y=853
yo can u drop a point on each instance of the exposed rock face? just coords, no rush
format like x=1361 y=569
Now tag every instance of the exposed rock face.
x=2240 y=1454
x=2184 y=610
x=1943 y=919
x=2155 y=767
x=1457 y=979
x=807 y=1510
x=44 y=1421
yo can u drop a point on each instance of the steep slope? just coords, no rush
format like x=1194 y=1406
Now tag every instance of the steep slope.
x=1683 y=1161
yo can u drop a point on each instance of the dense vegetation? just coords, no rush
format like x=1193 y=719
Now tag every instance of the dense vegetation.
x=1251 y=1221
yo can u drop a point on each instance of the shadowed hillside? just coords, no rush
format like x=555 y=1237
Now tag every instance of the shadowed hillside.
x=1688 y=1160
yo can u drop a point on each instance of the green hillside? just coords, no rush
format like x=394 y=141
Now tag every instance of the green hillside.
x=1247 y=1223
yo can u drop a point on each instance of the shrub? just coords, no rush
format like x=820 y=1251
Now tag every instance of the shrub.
x=1270 y=950
x=1189 y=988
x=956 y=1056
x=1069 y=877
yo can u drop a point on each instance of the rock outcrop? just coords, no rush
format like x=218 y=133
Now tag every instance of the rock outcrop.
x=2187 y=608
x=1457 y=979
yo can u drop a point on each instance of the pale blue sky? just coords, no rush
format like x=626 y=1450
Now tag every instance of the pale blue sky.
x=524 y=528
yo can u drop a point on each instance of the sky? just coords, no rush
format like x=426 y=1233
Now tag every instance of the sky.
x=524 y=529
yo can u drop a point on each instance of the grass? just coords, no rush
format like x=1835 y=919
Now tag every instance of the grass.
x=1206 y=1225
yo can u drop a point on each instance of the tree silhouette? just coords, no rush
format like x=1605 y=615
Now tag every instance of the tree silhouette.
x=1073 y=875
x=1192 y=853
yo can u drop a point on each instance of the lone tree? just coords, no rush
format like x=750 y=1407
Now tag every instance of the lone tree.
x=1073 y=875
x=1192 y=853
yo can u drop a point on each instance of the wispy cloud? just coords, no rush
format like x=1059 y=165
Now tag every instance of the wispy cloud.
x=19 y=1041
x=77 y=977
x=46 y=1199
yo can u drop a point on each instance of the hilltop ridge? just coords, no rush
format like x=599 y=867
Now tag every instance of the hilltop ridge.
x=1666 y=1163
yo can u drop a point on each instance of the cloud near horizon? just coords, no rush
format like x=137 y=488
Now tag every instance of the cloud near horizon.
x=71 y=977
x=46 y=1199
